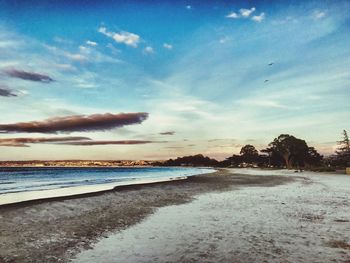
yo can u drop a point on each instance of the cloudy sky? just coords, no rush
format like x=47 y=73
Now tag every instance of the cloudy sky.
x=130 y=80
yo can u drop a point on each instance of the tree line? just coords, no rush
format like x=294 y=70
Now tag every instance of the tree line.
x=284 y=151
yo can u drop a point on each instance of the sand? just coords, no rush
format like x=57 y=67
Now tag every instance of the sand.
x=222 y=217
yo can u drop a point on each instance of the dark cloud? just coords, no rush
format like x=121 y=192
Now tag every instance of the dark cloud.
x=76 y=123
x=167 y=133
x=5 y=92
x=90 y=143
x=22 y=142
x=32 y=76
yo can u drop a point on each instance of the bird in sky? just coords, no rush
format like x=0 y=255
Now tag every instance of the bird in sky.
x=266 y=80
x=270 y=64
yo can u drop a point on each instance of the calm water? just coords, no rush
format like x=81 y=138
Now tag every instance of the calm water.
x=15 y=180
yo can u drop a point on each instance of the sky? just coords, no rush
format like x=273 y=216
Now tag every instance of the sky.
x=161 y=79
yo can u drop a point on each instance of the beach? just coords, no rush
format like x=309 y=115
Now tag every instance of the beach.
x=231 y=215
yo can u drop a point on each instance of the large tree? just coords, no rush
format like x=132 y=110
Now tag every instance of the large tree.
x=313 y=158
x=273 y=157
x=249 y=154
x=343 y=152
x=293 y=150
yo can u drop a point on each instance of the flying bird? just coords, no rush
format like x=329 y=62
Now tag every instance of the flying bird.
x=270 y=64
x=266 y=80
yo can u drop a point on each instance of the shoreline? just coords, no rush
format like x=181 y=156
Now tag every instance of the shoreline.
x=31 y=197
x=84 y=190
x=56 y=230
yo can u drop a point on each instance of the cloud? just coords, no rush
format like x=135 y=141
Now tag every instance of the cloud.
x=232 y=15
x=167 y=133
x=127 y=38
x=82 y=123
x=167 y=46
x=113 y=49
x=258 y=18
x=75 y=57
x=61 y=40
x=22 y=142
x=246 y=12
x=223 y=40
x=91 y=143
x=5 y=92
x=6 y=43
x=86 y=54
x=91 y=43
x=149 y=50
x=264 y=102
x=64 y=67
x=14 y=73
x=317 y=14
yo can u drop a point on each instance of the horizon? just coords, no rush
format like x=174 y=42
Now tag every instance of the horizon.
x=120 y=80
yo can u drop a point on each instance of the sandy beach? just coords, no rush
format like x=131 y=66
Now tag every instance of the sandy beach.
x=227 y=216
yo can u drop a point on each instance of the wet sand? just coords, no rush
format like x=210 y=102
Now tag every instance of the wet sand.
x=56 y=230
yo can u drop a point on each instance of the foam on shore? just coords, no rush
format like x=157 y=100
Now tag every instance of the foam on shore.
x=12 y=198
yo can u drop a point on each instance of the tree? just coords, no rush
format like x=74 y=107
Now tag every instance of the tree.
x=248 y=150
x=192 y=160
x=343 y=152
x=293 y=150
x=235 y=160
x=273 y=157
x=313 y=158
x=249 y=154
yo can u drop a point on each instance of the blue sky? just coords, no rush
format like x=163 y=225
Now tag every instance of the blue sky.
x=199 y=69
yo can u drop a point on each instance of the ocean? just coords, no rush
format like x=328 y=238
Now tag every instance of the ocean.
x=25 y=179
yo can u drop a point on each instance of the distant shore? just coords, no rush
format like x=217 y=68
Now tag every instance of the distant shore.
x=77 y=163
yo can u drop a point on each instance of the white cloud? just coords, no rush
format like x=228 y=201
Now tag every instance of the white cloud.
x=149 y=50
x=246 y=12
x=72 y=56
x=85 y=54
x=127 y=38
x=167 y=46
x=258 y=18
x=317 y=14
x=284 y=20
x=62 y=40
x=86 y=80
x=223 y=40
x=64 y=67
x=232 y=15
x=75 y=57
x=7 y=43
x=113 y=49
x=91 y=43
x=263 y=102
x=84 y=49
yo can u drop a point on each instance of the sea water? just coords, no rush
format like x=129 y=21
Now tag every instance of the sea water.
x=24 y=179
